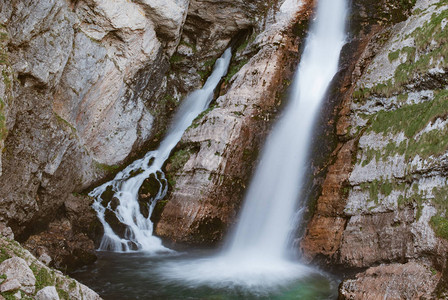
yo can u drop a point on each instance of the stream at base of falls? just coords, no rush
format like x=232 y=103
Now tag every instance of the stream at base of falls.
x=181 y=276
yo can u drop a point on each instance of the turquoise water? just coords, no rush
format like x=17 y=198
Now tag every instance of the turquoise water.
x=140 y=276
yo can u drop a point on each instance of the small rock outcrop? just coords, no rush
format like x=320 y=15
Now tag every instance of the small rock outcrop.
x=47 y=293
x=18 y=275
x=24 y=275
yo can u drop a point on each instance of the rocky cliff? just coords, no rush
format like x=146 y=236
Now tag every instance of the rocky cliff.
x=383 y=201
x=90 y=84
x=86 y=86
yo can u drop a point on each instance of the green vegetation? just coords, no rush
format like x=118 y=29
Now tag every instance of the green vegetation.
x=3 y=255
x=207 y=68
x=234 y=68
x=65 y=123
x=198 y=120
x=43 y=277
x=9 y=295
x=412 y=118
x=72 y=285
x=379 y=189
x=176 y=58
x=107 y=168
x=394 y=55
x=430 y=51
x=63 y=294
x=178 y=159
x=189 y=45
x=383 y=187
x=440 y=226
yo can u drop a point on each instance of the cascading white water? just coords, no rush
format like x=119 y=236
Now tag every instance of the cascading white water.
x=267 y=217
x=137 y=230
x=256 y=252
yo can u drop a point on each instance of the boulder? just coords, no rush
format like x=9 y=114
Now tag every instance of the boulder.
x=10 y=285
x=47 y=293
x=17 y=268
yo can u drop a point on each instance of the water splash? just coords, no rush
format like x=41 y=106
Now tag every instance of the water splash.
x=117 y=201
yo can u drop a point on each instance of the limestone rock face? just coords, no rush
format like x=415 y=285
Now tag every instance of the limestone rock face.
x=384 y=197
x=87 y=84
x=223 y=144
x=80 y=94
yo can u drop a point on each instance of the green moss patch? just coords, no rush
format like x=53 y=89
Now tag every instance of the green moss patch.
x=411 y=119
x=394 y=56
x=178 y=159
x=234 y=68
x=440 y=226
x=430 y=51
x=43 y=277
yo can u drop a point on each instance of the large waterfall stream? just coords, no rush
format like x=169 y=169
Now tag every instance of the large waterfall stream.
x=267 y=218
x=256 y=261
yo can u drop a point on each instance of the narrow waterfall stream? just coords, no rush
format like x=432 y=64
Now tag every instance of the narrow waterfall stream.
x=255 y=262
x=124 y=188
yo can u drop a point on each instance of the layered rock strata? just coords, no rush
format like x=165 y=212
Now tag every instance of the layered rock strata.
x=383 y=199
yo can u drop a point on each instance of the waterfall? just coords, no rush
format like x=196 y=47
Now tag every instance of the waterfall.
x=118 y=199
x=256 y=253
x=267 y=217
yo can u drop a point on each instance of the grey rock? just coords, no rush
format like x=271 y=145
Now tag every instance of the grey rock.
x=47 y=293
x=10 y=285
x=6 y=231
x=17 y=268
x=45 y=258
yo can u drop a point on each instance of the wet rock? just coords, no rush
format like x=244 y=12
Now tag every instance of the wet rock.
x=395 y=281
x=82 y=109
x=47 y=293
x=17 y=268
